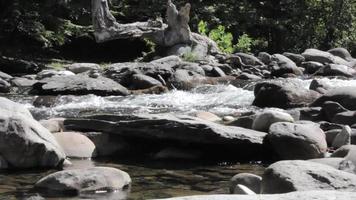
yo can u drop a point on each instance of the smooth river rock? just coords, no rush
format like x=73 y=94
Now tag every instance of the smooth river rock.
x=345 y=96
x=289 y=176
x=83 y=182
x=265 y=119
x=24 y=142
x=296 y=141
x=75 y=145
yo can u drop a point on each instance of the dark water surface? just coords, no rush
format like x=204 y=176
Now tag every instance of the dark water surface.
x=149 y=179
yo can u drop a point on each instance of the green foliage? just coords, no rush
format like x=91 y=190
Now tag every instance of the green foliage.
x=244 y=43
x=203 y=27
x=190 y=57
x=222 y=38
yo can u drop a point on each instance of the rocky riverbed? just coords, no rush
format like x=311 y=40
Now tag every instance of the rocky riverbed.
x=282 y=123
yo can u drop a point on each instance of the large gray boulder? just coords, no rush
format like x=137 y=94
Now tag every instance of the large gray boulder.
x=283 y=93
x=347 y=152
x=5 y=76
x=77 y=68
x=323 y=57
x=168 y=129
x=296 y=141
x=297 y=58
x=79 y=85
x=284 y=66
x=24 y=142
x=337 y=163
x=342 y=53
x=337 y=70
x=289 y=176
x=345 y=96
x=315 y=195
x=4 y=86
x=86 y=182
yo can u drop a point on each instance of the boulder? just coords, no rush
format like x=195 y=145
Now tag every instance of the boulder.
x=4 y=86
x=342 y=53
x=85 y=182
x=296 y=141
x=289 y=176
x=25 y=143
x=23 y=82
x=5 y=76
x=75 y=145
x=249 y=59
x=345 y=96
x=330 y=109
x=244 y=121
x=336 y=70
x=168 y=129
x=285 y=66
x=266 y=58
x=266 y=118
x=283 y=93
x=54 y=125
x=78 y=68
x=346 y=118
x=323 y=57
x=347 y=152
x=315 y=195
x=79 y=85
x=311 y=67
x=141 y=81
x=337 y=163
x=297 y=58
x=17 y=66
x=251 y=181
x=320 y=86
x=53 y=73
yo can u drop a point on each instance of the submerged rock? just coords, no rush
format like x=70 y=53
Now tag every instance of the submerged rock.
x=24 y=142
x=289 y=176
x=86 y=182
x=251 y=181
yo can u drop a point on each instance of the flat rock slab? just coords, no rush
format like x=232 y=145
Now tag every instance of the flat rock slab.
x=315 y=195
x=174 y=128
x=79 y=85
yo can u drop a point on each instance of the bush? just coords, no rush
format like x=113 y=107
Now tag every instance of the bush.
x=244 y=43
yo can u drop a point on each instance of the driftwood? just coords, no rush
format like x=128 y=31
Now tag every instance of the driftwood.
x=176 y=31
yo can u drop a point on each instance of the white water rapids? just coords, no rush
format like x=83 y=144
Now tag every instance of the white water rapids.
x=218 y=99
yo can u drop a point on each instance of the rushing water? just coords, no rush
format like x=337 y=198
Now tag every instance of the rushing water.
x=152 y=179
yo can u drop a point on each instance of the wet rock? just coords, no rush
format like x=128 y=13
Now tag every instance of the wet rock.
x=266 y=118
x=266 y=58
x=54 y=125
x=247 y=76
x=330 y=109
x=285 y=66
x=289 y=176
x=347 y=118
x=336 y=70
x=311 y=67
x=178 y=129
x=296 y=141
x=85 y=182
x=78 y=68
x=23 y=82
x=337 y=163
x=17 y=66
x=322 y=57
x=217 y=72
x=342 y=53
x=25 y=143
x=248 y=59
x=75 y=145
x=79 y=85
x=5 y=76
x=320 y=86
x=141 y=81
x=107 y=144
x=4 y=86
x=251 y=181
x=283 y=93
x=297 y=58
x=315 y=195
x=342 y=138
x=345 y=96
